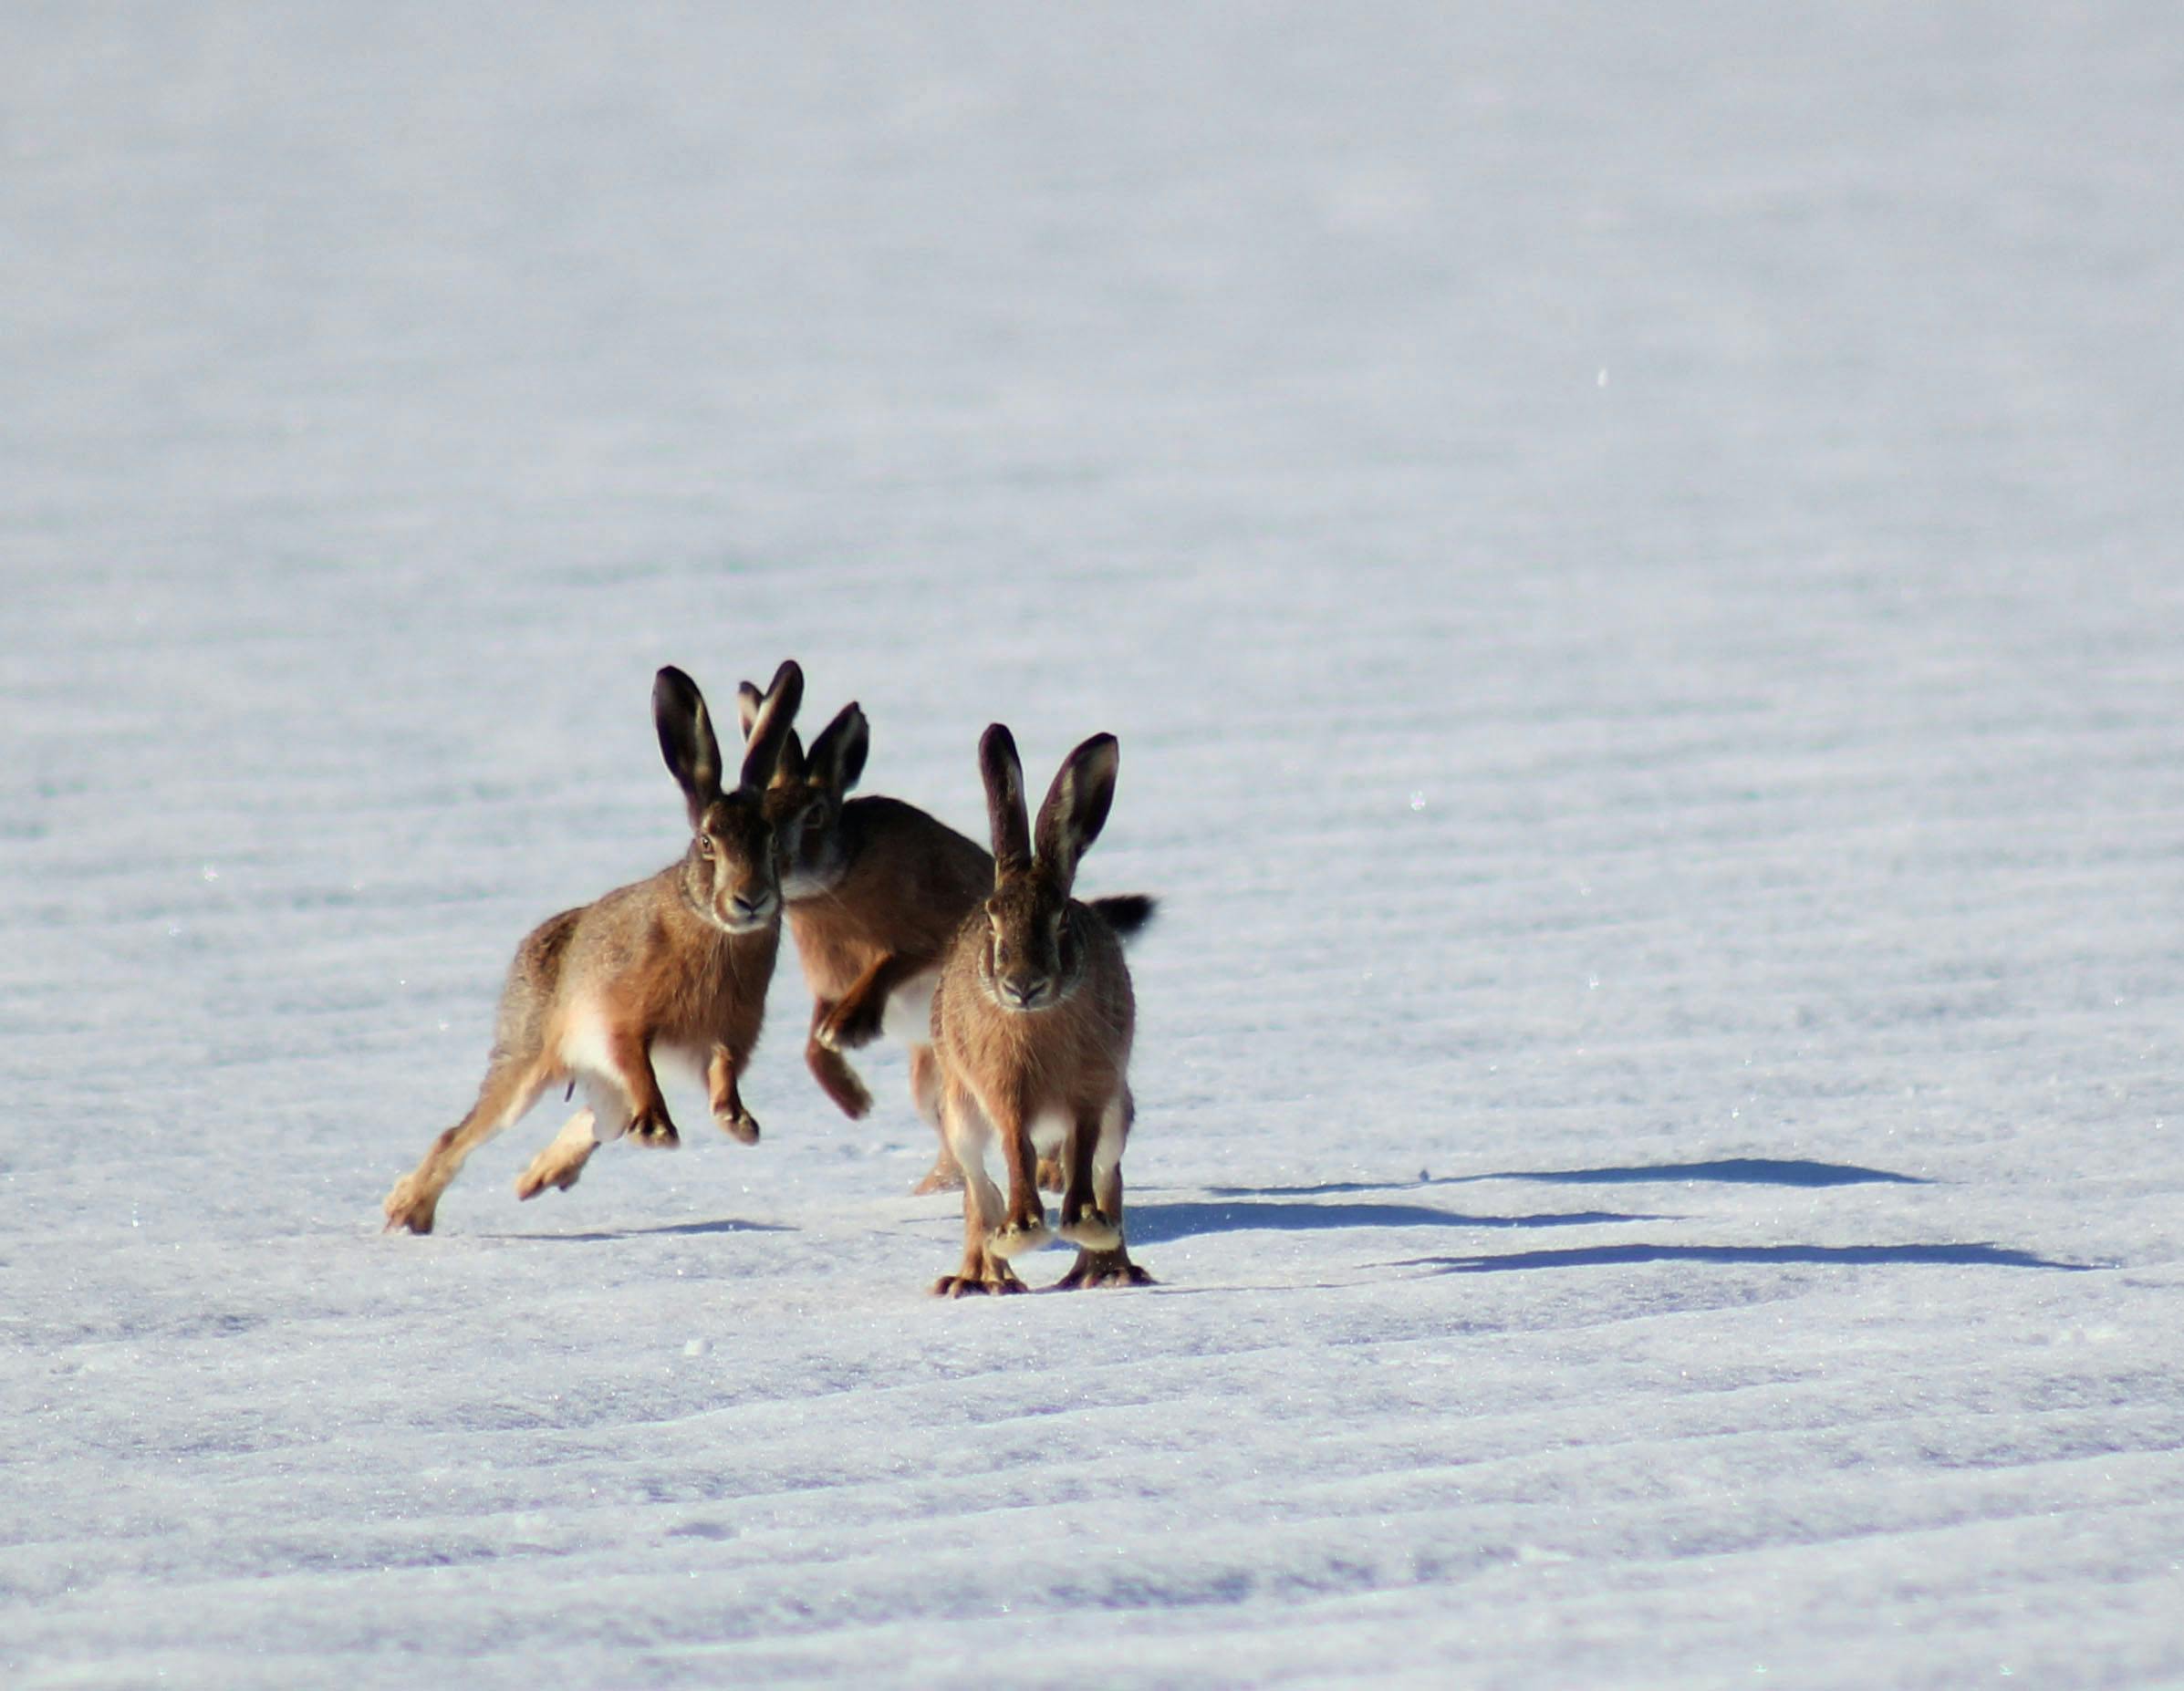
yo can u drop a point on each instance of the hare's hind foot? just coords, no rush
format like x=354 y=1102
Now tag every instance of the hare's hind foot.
x=541 y=1177
x=561 y=1164
x=1050 y=1176
x=946 y=1175
x=1103 y=1268
x=980 y=1275
x=1092 y=1231
x=411 y=1206
x=739 y=1125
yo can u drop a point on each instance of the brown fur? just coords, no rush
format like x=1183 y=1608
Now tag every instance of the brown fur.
x=676 y=963
x=909 y=882
x=876 y=889
x=1032 y=1022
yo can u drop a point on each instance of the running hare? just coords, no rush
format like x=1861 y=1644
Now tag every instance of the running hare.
x=676 y=966
x=877 y=890
x=1031 y=1022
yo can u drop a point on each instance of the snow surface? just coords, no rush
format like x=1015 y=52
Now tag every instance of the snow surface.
x=1634 y=554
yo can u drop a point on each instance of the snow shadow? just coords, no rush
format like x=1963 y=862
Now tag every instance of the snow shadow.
x=1156 y=1223
x=1983 y=1254
x=674 y=1230
x=1727 y=1170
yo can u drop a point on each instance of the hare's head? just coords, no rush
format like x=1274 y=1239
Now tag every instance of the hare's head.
x=804 y=800
x=729 y=872
x=1033 y=955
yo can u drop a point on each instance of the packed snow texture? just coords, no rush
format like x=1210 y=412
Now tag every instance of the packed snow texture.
x=1634 y=552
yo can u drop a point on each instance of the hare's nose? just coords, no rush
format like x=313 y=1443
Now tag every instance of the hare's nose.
x=1021 y=993
x=752 y=906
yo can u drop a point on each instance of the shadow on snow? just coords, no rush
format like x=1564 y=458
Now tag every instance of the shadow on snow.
x=1727 y=1170
x=678 y=1229
x=1156 y=1223
x=1981 y=1254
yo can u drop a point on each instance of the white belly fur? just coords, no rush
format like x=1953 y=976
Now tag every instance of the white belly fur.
x=584 y=1053
x=584 y=1043
x=1047 y=1132
x=908 y=1017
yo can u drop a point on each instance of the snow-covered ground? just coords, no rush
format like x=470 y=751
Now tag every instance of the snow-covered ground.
x=1636 y=556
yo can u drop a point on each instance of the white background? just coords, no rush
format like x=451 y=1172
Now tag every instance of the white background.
x=1634 y=555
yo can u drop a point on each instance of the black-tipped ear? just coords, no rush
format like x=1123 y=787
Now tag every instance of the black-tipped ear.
x=1076 y=805
x=838 y=755
x=770 y=728
x=747 y=701
x=686 y=738
x=1002 y=771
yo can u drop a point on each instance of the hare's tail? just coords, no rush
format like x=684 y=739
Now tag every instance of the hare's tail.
x=1126 y=913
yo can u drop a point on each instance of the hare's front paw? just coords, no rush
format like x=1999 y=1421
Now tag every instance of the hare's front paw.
x=1018 y=1237
x=942 y=1177
x=1050 y=1176
x=849 y=1026
x=738 y=1124
x=411 y=1206
x=1091 y=1230
x=656 y=1131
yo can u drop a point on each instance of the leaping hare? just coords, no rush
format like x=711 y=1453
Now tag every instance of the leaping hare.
x=876 y=890
x=1031 y=1022
x=676 y=965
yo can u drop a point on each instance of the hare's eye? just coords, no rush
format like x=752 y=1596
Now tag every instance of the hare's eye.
x=704 y=845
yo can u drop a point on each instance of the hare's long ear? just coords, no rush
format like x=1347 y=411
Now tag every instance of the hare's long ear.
x=748 y=703
x=789 y=771
x=1076 y=805
x=686 y=738
x=1002 y=771
x=771 y=728
x=838 y=755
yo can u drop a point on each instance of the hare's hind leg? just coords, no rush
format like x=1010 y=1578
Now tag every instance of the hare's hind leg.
x=560 y=1164
x=925 y=1093
x=510 y=1088
x=1101 y=1161
x=969 y=1131
x=605 y=1115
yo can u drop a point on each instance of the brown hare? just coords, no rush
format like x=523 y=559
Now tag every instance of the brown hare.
x=1031 y=1022
x=876 y=890
x=675 y=966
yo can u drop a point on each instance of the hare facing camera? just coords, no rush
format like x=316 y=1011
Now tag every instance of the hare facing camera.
x=877 y=890
x=1031 y=1022
x=676 y=965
